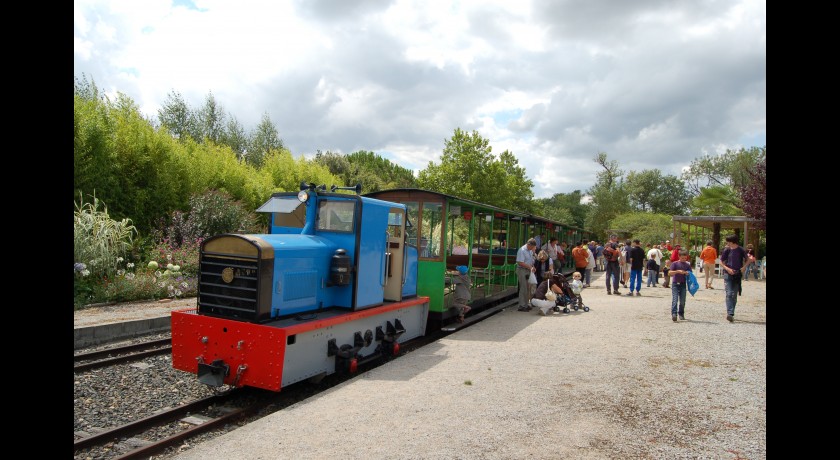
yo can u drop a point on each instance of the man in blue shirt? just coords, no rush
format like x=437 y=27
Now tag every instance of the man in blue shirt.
x=733 y=261
x=524 y=268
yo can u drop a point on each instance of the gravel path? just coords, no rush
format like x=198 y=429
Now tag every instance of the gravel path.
x=620 y=381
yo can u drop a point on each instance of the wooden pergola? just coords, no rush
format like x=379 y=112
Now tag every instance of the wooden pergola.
x=746 y=224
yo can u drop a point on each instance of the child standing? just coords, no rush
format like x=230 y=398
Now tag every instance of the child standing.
x=652 y=270
x=577 y=288
x=679 y=284
x=462 y=284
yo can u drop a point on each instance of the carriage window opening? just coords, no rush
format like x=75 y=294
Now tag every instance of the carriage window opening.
x=430 y=230
x=412 y=211
x=395 y=220
x=336 y=215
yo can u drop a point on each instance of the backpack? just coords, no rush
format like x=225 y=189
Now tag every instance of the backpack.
x=611 y=254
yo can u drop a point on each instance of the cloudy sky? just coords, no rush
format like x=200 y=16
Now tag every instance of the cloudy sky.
x=653 y=83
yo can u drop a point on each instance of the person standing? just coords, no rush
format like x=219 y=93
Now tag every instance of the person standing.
x=675 y=253
x=599 y=257
x=656 y=255
x=751 y=265
x=551 y=249
x=733 y=261
x=589 y=267
x=679 y=285
x=581 y=256
x=652 y=270
x=561 y=255
x=625 y=260
x=592 y=246
x=611 y=257
x=524 y=268
x=636 y=257
x=708 y=257
x=666 y=262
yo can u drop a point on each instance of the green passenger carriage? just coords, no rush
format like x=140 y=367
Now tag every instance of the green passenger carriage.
x=449 y=231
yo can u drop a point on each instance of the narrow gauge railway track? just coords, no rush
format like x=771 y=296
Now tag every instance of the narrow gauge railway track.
x=117 y=355
x=161 y=433
x=164 y=431
x=210 y=412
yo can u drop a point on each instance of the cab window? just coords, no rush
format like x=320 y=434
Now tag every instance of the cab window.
x=336 y=215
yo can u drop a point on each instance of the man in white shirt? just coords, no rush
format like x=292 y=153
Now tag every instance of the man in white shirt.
x=524 y=267
x=657 y=256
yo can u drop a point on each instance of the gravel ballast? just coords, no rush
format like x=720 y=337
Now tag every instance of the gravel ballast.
x=619 y=381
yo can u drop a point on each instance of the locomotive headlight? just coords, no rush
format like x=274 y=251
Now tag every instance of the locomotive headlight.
x=303 y=195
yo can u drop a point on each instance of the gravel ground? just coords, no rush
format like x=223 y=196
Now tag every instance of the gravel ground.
x=620 y=381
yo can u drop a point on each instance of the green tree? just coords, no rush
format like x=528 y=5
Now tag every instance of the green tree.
x=717 y=200
x=609 y=197
x=649 y=190
x=647 y=227
x=376 y=173
x=264 y=139
x=338 y=165
x=85 y=89
x=517 y=189
x=234 y=137
x=211 y=120
x=730 y=168
x=469 y=170
x=176 y=117
x=287 y=173
x=564 y=207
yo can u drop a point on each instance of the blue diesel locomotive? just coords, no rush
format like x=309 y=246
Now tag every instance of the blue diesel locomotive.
x=331 y=285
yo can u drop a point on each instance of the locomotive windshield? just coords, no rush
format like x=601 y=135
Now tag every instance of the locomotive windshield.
x=286 y=211
x=336 y=215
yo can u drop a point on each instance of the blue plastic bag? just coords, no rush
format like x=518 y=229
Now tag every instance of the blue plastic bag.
x=693 y=284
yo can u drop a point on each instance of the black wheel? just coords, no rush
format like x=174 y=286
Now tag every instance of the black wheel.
x=556 y=309
x=566 y=310
x=585 y=308
x=575 y=308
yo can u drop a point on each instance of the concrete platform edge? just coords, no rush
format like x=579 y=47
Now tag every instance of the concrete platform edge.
x=97 y=335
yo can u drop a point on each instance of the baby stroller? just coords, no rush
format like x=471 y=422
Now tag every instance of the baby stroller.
x=569 y=298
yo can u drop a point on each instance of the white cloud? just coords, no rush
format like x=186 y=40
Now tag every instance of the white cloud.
x=653 y=84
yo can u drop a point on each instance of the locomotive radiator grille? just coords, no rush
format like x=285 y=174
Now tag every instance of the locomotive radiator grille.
x=229 y=286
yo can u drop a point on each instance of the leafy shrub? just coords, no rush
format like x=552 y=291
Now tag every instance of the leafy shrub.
x=98 y=240
x=149 y=282
x=184 y=256
x=211 y=213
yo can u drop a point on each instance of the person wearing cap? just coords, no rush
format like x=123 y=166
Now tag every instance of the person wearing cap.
x=462 y=296
x=524 y=267
x=668 y=245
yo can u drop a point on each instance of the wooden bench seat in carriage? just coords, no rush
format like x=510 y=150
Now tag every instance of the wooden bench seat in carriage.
x=485 y=272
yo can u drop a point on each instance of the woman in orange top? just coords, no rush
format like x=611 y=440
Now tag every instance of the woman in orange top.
x=708 y=256
x=581 y=256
